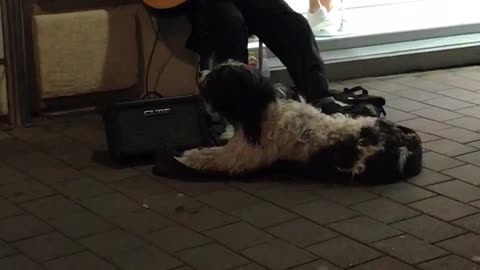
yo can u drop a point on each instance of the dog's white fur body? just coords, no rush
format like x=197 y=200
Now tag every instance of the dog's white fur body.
x=291 y=131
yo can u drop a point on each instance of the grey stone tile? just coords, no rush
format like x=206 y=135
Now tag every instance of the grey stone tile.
x=424 y=125
x=8 y=210
x=324 y=212
x=107 y=174
x=441 y=76
x=220 y=258
x=437 y=114
x=21 y=227
x=472 y=111
x=52 y=207
x=110 y=205
x=79 y=261
x=345 y=195
x=404 y=192
x=460 y=94
x=141 y=222
x=287 y=195
x=9 y=175
x=193 y=188
x=417 y=94
x=19 y=262
x=344 y=252
x=448 y=103
x=471 y=223
x=364 y=229
x=465 y=245
x=425 y=137
x=397 y=115
x=444 y=208
x=229 y=200
x=239 y=236
x=207 y=218
x=81 y=225
x=49 y=246
x=467 y=84
x=384 y=263
x=438 y=162
x=147 y=258
x=311 y=233
x=385 y=210
x=173 y=239
x=428 y=177
x=424 y=84
x=385 y=86
x=468 y=173
x=475 y=144
x=449 y=148
x=279 y=255
x=26 y=190
x=141 y=187
x=81 y=189
x=251 y=266
x=457 y=190
x=407 y=105
x=113 y=242
x=471 y=158
x=476 y=204
x=317 y=265
x=459 y=135
x=264 y=215
x=171 y=203
x=409 y=249
x=6 y=250
x=448 y=263
x=467 y=122
x=428 y=228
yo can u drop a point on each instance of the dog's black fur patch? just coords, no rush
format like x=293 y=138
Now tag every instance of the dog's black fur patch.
x=241 y=96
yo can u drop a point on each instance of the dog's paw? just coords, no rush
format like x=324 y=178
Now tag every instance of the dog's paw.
x=172 y=167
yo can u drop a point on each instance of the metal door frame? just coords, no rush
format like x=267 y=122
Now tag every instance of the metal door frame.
x=16 y=69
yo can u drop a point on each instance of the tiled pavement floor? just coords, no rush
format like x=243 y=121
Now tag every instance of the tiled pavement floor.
x=62 y=208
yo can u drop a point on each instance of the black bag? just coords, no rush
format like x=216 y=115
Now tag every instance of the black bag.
x=139 y=129
x=360 y=102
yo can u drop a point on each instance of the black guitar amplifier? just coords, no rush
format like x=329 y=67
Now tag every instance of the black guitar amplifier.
x=139 y=129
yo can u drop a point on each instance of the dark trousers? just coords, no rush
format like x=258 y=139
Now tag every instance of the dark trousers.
x=285 y=32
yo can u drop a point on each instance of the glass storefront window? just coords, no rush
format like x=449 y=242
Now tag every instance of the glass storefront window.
x=367 y=17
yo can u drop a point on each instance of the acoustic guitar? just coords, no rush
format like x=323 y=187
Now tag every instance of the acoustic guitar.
x=163 y=4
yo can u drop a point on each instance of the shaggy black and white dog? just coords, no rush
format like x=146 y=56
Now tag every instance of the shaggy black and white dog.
x=271 y=129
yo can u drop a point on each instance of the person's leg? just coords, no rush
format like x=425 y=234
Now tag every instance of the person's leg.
x=315 y=5
x=290 y=38
x=318 y=14
x=228 y=31
x=328 y=4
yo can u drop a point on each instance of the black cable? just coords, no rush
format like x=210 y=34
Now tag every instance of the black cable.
x=147 y=90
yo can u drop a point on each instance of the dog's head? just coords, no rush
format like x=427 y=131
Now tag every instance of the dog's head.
x=387 y=150
x=239 y=95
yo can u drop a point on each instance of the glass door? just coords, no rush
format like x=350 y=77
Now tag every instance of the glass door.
x=17 y=85
x=3 y=83
x=372 y=22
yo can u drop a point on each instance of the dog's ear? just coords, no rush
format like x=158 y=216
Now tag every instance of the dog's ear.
x=241 y=96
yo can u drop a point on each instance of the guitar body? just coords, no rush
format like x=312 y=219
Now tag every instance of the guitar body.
x=164 y=4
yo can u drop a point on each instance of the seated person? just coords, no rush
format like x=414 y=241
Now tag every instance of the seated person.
x=224 y=26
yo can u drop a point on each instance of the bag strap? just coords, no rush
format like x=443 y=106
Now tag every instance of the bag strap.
x=356 y=89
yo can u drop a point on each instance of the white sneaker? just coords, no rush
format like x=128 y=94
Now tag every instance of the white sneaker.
x=320 y=19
